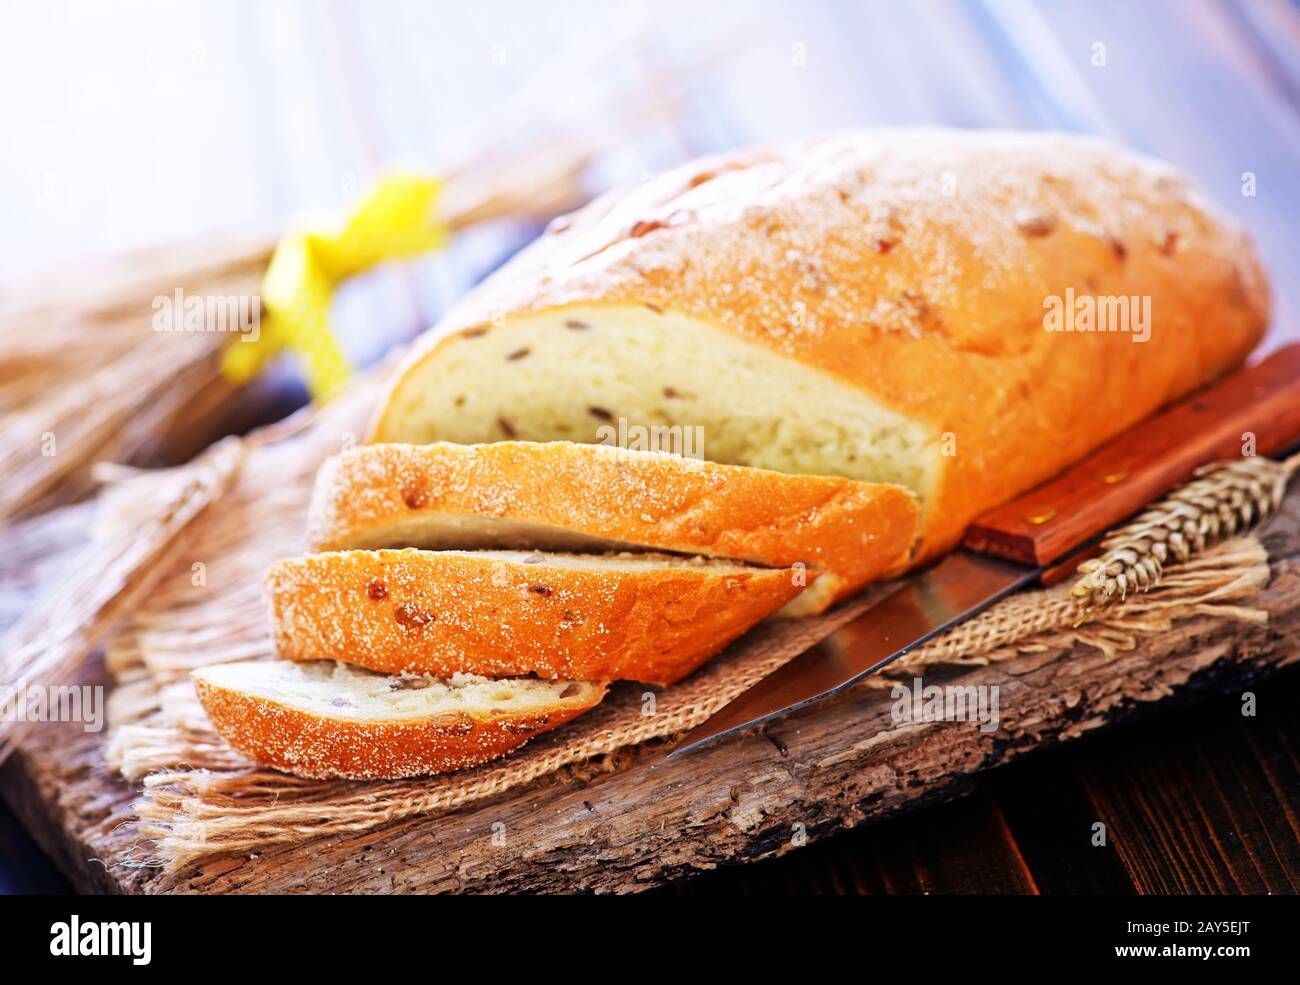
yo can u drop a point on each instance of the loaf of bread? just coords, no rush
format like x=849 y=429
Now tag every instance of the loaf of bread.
x=643 y=617
x=571 y=497
x=330 y=720
x=906 y=306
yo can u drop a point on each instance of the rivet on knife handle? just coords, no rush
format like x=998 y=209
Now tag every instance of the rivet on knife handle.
x=1147 y=461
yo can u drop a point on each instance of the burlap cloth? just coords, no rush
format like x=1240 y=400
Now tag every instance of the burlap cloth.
x=199 y=797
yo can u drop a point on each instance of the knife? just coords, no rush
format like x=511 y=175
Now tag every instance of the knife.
x=1038 y=537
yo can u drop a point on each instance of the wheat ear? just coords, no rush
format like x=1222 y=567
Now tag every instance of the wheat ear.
x=1223 y=500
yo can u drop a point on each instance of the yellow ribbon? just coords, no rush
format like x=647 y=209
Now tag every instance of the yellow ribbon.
x=394 y=221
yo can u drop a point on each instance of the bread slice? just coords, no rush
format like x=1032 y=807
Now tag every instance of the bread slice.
x=329 y=720
x=574 y=497
x=643 y=617
x=867 y=304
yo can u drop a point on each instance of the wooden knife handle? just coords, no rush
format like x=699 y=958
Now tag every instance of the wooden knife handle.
x=1146 y=461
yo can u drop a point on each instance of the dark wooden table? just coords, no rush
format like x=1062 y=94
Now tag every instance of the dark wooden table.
x=1206 y=801
x=328 y=93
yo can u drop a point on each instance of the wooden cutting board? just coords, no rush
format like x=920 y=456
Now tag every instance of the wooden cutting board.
x=629 y=827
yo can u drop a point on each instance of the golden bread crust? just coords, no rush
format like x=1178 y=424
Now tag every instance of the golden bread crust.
x=318 y=746
x=846 y=530
x=444 y=612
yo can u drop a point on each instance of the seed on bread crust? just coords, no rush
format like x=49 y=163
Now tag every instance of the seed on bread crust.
x=1035 y=224
x=410 y=616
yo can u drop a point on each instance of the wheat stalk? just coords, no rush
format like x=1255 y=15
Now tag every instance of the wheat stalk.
x=159 y=398
x=1223 y=500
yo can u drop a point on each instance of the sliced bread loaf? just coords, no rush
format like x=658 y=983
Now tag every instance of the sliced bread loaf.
x=566 y=496
x=961 y=312
x=330 y=720
x=643 y=617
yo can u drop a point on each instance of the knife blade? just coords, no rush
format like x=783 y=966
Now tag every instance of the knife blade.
x=956 y=588
x=1031 y=538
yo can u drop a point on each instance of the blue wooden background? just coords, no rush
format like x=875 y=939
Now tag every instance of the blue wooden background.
x=133 y=123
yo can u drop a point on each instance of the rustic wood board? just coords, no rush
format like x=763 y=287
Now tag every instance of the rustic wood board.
x=645 y=823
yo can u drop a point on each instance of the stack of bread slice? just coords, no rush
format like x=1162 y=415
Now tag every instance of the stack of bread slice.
x=465 y=598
